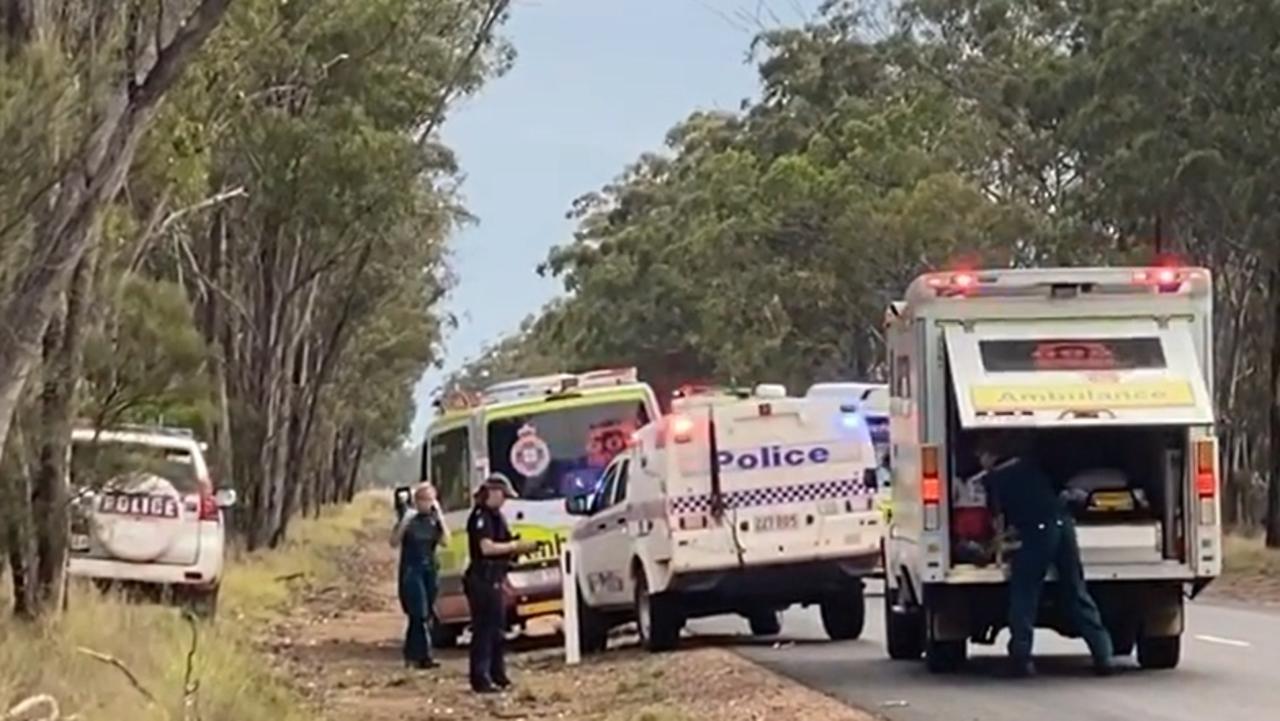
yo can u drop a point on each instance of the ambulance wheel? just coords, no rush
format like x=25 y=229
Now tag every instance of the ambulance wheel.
x=945 y=656
x=903 y=630
x=593 y=628
x=444 y=635
x=844 y=615
x=765 y=622
x=657 y=618
x=1159 y=652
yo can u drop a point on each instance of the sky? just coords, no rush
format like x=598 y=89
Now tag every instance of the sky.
x=595 y=84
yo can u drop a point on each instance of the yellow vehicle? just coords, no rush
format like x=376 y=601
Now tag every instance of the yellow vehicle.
x=552 y=436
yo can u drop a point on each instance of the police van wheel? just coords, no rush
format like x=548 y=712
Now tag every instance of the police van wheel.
x=593 y=628
x=945 y=656
x=444 y=635
x=844 y=616
x=657 y=618
x=765 y=622
x=1159 y=652
x=904 y=632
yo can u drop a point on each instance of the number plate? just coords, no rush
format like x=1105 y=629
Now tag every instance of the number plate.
x=79 y=542
x=777 y=522
x=134 y=504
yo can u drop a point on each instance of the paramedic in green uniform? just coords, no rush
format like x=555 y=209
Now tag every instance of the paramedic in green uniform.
x=418 y=533
x=1025 y=496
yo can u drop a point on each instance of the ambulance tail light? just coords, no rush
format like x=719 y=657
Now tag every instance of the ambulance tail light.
x=1207 y=479
x=930 y=487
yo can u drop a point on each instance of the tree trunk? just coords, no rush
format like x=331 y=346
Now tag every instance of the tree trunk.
x=50 y=495
x=63 y=235
x=15 y=502
x=1273 y=486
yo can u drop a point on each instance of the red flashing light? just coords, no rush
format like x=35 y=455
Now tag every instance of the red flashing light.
x=681 y=429
x=963 y=280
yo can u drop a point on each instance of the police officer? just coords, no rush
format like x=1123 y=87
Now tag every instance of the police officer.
x=420 y=530
x=1025 y=497
x=492 y=549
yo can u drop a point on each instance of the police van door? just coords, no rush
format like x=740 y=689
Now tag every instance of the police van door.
x=605 y=540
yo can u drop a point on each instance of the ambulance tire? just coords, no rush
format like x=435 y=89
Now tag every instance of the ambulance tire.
x=904 y=632
x=657 y=618
x=765 y=622
x=844 y=616
x=945 y=656
x=444 y=635
x=1159 y=652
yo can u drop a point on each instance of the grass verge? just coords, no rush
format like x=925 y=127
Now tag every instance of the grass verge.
x=233 y=680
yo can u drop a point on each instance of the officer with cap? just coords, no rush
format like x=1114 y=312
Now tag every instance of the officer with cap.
x=1025 y=496
x=492 y=548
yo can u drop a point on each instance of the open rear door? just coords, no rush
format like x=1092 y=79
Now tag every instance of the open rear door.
x=1032 y=373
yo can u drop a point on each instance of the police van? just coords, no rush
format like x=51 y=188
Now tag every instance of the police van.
x=1105 y=377
x=734 y=503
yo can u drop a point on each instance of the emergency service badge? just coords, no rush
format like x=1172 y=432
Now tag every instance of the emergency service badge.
x=530 y=455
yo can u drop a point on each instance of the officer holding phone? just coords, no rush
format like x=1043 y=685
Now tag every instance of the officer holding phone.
x=418 y=533
x=492 y=549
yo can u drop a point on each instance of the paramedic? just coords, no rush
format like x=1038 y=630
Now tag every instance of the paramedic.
x=492 y=548
x=418 y=532
x=1025 y=497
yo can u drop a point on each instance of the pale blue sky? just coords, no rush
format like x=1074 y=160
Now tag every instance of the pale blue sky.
x=595 y=83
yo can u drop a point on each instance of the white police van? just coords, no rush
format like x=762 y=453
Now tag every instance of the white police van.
x=741 y=503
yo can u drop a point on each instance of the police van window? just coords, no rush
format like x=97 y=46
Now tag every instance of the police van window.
x=449 y=460
x=902 y=377
x=561 y=452
x=1071 y=354
x=620 y=485
x=605 y=490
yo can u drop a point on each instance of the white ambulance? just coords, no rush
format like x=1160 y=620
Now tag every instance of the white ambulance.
x=741 y=503
x=1106 y=377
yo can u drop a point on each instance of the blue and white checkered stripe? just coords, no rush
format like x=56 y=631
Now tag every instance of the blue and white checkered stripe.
x=753 y=497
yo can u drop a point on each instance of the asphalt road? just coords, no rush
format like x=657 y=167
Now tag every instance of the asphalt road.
x=1230 y=670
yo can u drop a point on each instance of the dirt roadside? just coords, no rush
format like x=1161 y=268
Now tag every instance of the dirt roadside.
x=340 y=646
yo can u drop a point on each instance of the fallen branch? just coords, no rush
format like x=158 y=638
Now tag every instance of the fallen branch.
x=23 y=708
x=290 y=577
x=190 y=684
x=124 y=669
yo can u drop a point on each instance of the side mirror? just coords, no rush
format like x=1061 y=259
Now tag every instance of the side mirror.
x=225 y=497
x=580 y=505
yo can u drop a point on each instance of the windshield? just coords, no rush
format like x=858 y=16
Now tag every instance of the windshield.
x=1071 y=354
x=97 y=465
x=559 y=453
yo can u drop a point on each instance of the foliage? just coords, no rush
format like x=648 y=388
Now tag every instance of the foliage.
x=147 y=365
x=765 y=244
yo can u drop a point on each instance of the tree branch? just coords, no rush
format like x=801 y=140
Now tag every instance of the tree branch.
x=124 y=669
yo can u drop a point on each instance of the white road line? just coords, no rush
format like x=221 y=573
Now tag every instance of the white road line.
x=1224 y=641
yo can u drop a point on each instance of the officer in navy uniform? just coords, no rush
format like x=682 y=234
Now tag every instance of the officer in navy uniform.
x=492 y=549
x=418 y=533
x=1025 y=497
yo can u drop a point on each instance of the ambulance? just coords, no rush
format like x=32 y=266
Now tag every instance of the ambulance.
x=734 y=503
x=1105 y=377
x=552 y=436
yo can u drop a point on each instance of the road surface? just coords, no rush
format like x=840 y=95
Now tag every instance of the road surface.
x=1230 y=670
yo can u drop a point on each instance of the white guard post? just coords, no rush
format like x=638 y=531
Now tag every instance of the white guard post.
x=572 y=647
